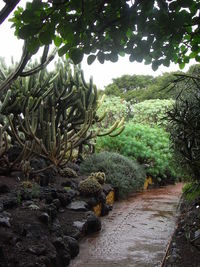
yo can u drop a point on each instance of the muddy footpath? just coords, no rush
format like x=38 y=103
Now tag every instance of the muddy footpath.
x=136 y=233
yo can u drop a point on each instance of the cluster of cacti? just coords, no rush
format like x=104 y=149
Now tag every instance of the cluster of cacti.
x=99 y=176
x=50 y=114
x=90 y=187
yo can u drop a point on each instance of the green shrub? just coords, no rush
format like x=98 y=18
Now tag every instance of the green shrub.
x=184 y=121
x=152 y=112
x=125 y=174
x=148 y=145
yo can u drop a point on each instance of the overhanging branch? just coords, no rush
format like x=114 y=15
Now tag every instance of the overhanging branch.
x=7 y=9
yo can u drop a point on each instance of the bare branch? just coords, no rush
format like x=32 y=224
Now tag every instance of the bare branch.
x=13 y=76
x=7 y=9
x=40 y=66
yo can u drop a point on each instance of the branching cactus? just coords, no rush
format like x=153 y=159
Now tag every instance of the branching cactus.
x=51 y=114
x=3 y=142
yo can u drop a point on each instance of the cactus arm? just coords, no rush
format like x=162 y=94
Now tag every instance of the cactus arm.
x=118 y=132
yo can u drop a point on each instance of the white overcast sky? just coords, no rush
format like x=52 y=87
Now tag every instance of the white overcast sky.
x=102 y=73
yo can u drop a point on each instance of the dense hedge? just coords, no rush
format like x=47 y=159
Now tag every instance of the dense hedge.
x=152 y=112
x=148 y=145
x=125 y=174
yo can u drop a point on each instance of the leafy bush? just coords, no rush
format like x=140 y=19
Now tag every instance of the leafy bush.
x=152 y=112
x=125 y=174
x=148 y=145
x=185 y=125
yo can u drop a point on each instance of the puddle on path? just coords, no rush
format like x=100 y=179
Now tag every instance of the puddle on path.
x=135 y=233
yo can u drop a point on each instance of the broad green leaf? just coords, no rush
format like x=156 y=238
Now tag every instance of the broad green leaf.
x=113 y=57
x=101 y=57
x=197 y=58
x=182 y=65
x=57 y=41
x=63 y=50
x=91 y=59
x=76 y=55
x=45 y=38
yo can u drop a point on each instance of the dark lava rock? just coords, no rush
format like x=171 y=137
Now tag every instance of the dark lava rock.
x=107 y=188
x=44 y=218
x=37 y=249
x=73 y=246
x=105 y=209
x=46 y=176
x=6 y=236
x=51 y=210
x=56 y=228
x=72 y=231
x=5 y=221
x=57 y=203
x=1 y=207
x=13 y=152
x=92 y=225
x=33 y=230
x=18 y=175
x=64 y=200
x=78 y=205
x=63 y=253
x=4 y=189
x=92 y=201
x=9 y=201
x=69 y=183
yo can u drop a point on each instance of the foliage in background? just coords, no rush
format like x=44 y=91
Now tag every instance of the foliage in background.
x=148 y=145
x=128 y=83
x=116 y=108
x=146 y=87
x=184 y=121
x=152 y=112
x=125 y=174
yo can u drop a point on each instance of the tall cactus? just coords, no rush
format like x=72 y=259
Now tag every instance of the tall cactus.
x=51 y=114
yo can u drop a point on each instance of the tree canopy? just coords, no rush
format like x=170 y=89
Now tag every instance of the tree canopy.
x=158 y=31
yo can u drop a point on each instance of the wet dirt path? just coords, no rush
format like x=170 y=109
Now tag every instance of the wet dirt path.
x=135 y=233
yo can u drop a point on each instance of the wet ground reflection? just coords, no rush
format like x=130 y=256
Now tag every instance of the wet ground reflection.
x=135 y=233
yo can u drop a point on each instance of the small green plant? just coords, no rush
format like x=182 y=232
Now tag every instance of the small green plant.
x=90 y=187
x=35 y=192
x=123 y=173
x=67 y=188
x=191 y=191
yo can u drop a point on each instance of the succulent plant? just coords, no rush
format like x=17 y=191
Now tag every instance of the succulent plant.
x=51 y=114
x=90 y=187
x=99 y=176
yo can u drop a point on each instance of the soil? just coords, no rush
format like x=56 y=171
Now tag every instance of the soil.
x=184 y=246
x=42 y=225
